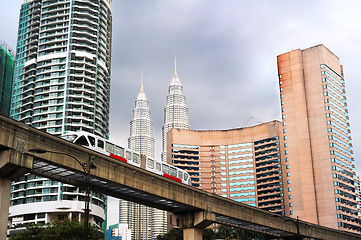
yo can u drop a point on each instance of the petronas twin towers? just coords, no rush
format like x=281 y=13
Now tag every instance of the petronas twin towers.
x=145 y=222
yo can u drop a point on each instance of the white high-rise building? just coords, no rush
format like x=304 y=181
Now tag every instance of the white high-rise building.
x=175 y=111
x=61 y=83
x=137 y=216
x=62 y=68
x=141 y=126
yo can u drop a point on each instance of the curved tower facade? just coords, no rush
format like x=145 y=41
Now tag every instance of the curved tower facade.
x=61 y=83
x=175 y=111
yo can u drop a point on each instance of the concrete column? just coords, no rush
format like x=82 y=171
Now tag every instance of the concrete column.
x=192 y=233
x=193 y=223
x=5 y=186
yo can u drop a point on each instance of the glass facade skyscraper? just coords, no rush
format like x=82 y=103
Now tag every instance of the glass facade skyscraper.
x=6 y=77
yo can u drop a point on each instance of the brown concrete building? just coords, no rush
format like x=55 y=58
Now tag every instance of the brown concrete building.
x=244 y=164
x=320 y=168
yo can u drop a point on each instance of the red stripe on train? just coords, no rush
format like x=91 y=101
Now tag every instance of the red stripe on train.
x=118 y=157
x=171 y=177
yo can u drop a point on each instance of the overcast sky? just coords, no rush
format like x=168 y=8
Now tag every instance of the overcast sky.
x=226 y=56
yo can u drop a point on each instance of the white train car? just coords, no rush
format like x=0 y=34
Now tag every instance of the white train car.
x=104 y=146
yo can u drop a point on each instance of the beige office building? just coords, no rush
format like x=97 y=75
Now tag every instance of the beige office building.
x=244 y=164
x=320 y=167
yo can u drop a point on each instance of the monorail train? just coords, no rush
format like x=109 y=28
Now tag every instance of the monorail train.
x=103 y=146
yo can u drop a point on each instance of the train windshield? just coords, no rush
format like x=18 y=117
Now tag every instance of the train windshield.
x=82 y=141
x=70 y=137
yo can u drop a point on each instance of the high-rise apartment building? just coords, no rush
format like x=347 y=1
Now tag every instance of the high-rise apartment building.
x=141 y=139
x=175 y=111
x=6 y=77
x=247 y=165
x=61 y=83
x=62 y=69
x=321 y=177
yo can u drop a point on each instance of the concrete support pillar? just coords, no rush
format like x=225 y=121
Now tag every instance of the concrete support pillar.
x=193 y=224
x=5 y=186
x=192 y=234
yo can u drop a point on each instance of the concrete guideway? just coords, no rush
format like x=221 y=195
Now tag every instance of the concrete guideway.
x=193 y=209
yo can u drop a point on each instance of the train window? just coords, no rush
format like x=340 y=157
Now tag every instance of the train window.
x=92 y=141
x=109 y=147
x=173 y=172
x=100 y=144
x=157 y=167
x=128 y=156
x=136 y=157
x=186 y=176
x=82 y=141
x=166 y=169
x=180 y=174
x=119 y=151
x=150 y=163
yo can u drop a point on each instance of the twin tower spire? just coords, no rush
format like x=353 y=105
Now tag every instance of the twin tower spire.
x=175 y=116
x=141 y=139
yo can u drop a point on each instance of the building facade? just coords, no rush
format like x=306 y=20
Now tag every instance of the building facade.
x=61 y=83
x=144 y=222
x=175 y=111
x=247 y=165
x=118 y=232
x=141 y=139
x=6 y=77
x=321 y=171
x=62 y=69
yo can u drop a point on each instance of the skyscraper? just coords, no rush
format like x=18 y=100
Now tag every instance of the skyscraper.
x=61 y=83
x=321 y=172
x=141 y=137
x=6 y=77
x=62 y=69
x=175 y=111
x=137 y=216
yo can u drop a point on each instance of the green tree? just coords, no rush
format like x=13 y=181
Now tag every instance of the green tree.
x=174 y=234
x=208 y=234
x=63 y=229
x=231 y=233
x=177 y=234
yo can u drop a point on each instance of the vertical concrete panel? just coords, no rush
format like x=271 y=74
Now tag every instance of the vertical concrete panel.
x=192 y=234
x=5 y=186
